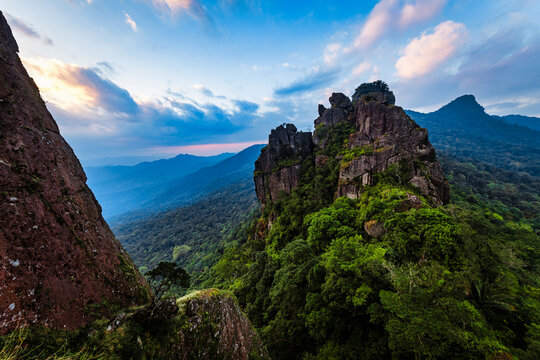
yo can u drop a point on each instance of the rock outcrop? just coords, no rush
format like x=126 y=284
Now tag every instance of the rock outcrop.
x=216 y=328
x=60 y=262
x=279 y=166
x=381 y=138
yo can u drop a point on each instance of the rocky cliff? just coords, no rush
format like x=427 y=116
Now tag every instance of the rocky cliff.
x=279 y=166
x=60 y=262
x=380 y=137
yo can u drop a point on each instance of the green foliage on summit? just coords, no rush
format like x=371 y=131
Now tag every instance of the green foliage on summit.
x=458 y=281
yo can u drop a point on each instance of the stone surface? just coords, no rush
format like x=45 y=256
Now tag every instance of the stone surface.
x=374 y=228
x=216 y=328
x=60 y=262
x=278 y=168
x=393 y=138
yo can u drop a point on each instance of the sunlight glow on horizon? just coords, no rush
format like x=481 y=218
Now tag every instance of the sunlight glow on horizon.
x=205 y=149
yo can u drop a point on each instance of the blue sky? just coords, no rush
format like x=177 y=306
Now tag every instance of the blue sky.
x=153 y=78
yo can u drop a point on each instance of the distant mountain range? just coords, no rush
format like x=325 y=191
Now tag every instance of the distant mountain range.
x=463 y=129
x=527 y=121
x=124 y=188
x=131 y=192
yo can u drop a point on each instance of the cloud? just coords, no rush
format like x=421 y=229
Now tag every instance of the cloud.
x=173 y=8
x=499 y=69
x=131 y=22
x=206 y=149
x=394 y=15
x=315 y=80
x=361 y=68
x=427 y=52
x=73 y=87
x=96 y=115
x=377 y=23
x=207 y=92
x=23 y=28
x=420 y=11
x=331 y=53
x=246 y=107
x=259 y=68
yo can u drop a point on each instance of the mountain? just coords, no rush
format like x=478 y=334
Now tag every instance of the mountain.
x=463 y=129
x=526 y=121
x=201 y=211
x=61 y=264
x=206 y=180
x=193 y=187
x=120 y=189
x=361 y=250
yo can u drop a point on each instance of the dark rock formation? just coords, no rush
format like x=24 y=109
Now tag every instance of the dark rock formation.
x=216 y=328
x=382 y=137
x=390 y=137
x=60 y=262
x=279 y=166
x=376 y=87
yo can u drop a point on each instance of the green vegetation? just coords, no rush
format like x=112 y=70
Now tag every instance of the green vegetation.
x=458 y=281
x=191 y=236
x=513 y=195
x=133 y=335
x=166 y=275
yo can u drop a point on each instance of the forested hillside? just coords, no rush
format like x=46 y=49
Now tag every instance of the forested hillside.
x=192 y=235
x=388 y=274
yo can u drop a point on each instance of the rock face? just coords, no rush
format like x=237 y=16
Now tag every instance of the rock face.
x=381 y=138
x=279 y=166
x=216 y=329
x=60 y=262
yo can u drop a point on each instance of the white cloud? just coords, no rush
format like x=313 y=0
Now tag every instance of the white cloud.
x=427 y=52
x=174 y=7
x=361 y=68
x=131 y=22
x=331 y=53
x=419 y=11
x=260 y=68
x=377 y=23
x=394 y=15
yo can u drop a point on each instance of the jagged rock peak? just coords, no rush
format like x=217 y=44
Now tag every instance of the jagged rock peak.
x=279 y=165
x=61 y=264
x=381 y=137
x=376 y=87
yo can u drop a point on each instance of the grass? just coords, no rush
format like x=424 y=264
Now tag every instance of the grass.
x=12 y=347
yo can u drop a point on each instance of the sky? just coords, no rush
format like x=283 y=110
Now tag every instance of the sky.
x=138 y=79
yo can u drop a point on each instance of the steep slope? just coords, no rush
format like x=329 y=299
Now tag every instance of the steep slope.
x=203 y=325
x=120 y=189
x=60 y=260
x=462 y=128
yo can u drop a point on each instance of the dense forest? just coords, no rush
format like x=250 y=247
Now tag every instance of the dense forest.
x=189 y=235
x=384 y=276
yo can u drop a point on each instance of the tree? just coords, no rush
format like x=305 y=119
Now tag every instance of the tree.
x=164 y=276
